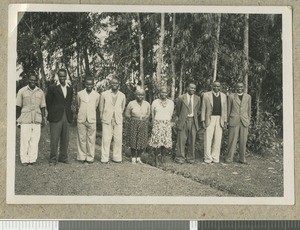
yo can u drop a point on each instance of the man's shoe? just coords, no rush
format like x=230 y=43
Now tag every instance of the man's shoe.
x=179 y=161
x=65 y=161
x=138 y=160
x=244 y=162
x=52 y=164
x=104 y=162
x=25 y=164
x=116 y=161
x=190 y=161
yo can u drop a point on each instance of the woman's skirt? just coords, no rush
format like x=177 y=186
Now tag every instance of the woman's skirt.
x=137 y=134
x=161 y=134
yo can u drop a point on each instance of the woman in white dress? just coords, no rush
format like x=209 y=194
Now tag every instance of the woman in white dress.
x=161 y=136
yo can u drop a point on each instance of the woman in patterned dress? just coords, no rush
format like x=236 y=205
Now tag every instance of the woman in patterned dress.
x=138 y=113
x=161 y=137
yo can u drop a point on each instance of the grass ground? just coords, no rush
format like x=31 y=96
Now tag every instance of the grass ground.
x=262 y=178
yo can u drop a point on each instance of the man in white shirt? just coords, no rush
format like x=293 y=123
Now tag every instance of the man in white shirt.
x=112 y=105
x=58 y=101
x=31 y=113
x=187 y=109
x=214 y=119
x=88 y=102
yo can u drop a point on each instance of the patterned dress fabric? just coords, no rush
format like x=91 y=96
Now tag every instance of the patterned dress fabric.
x=162 y=112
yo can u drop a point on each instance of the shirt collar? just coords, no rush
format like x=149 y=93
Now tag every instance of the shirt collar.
x=216 y=94
x=35 y=88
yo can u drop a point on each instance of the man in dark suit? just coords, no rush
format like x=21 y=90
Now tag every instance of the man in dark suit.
x=187 y=110
x=58 y=102
x=239 y=114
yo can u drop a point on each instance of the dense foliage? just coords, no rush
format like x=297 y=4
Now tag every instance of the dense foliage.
x=152 y=49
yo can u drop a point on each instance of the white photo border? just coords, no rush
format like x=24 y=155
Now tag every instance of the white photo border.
x=288 y=131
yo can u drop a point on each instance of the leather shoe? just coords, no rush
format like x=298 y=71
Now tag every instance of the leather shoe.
x=65 y=162
x=52 y=164
x=244 y=162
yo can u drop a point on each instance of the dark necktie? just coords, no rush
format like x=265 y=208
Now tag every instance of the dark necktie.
x=190 y=106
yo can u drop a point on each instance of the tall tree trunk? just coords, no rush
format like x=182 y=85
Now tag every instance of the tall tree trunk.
x=160 y=49
x=79 y=85
x=246 y=52
x=86 y=61
x=142 y=77
x=181 y=78
x=173 y=86
x=216 y=49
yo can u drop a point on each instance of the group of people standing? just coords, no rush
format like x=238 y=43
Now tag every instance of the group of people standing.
x=215 y=110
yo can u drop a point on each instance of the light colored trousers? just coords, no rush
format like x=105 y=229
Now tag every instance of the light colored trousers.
x=212 y=140
x=29 y=144
x=110 y=131
x=86 y=140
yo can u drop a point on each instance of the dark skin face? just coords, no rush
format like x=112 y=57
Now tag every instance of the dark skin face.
x=62 y=76
x=139 y=96
x=239 y=88
x=114 y=85
x=32 y=81
x=191 y=89
x=89 y=84
x=163 y=94
x=216 y=87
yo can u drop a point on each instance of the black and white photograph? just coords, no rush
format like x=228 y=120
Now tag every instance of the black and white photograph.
x=150 y=105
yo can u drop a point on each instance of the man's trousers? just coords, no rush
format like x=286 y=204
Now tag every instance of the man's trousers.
x=86 y=140
x=212 y=140
x=236 y=132
x=29 y=143
x=184 y=136
x=110 y=131
x=59 y=132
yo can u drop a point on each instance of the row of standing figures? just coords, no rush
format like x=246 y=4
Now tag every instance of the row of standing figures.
x=214 y=112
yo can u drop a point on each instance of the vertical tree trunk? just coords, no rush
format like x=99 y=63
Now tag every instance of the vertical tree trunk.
x=181 y=78
x=216 y=48
x=173 y=86
x=246 y=52
x=142 y=77
x=86 y=61
x=160 y=49
x=79 y=85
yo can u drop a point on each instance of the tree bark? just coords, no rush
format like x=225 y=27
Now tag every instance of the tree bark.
x=216 y=49
x=142 y=75
x=79 y=85
x=173 y=86
x=181 y=78
x=86 y=62
x=160 y=49
x=246 y=52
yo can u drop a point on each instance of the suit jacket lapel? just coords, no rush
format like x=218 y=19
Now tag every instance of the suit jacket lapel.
x=185 y=100
x=58 y=87
x=236 y=97
x=211 y=100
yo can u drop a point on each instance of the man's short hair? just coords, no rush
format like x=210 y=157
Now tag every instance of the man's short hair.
x=33 y=75
x=191 y=82
x=115 y=78
x=62 y=70
x=89 y=79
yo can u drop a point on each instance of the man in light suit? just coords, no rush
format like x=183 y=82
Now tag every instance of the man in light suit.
x=58 y=102
x=187 y=110
x=239 y=114
x=88 y=102
x=112 y=105
x=214 y=119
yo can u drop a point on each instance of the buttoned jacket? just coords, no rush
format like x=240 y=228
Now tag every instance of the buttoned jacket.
x=208 y=105
x=87 y=106
x=108 y=109
x=239 y=111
